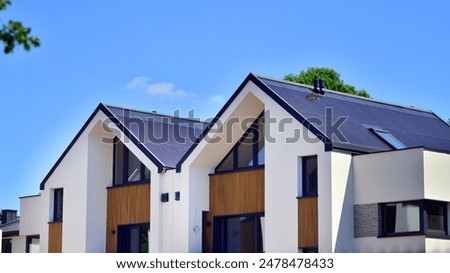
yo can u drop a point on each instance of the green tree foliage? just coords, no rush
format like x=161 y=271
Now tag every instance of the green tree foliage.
x=14 y=33
x=332 y=80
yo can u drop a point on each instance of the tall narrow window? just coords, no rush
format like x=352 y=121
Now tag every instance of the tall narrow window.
x=58 y=195
x=127 y=167
x=309 y=177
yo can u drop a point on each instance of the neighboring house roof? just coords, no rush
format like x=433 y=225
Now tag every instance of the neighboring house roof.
x=10 y=229
x=163 y=139
x=411 y=126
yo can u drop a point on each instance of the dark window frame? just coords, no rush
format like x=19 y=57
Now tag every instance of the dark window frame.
x=305 y=191
x=423 y=229
x=124 y=166
x=253 y=128
x=58 y=205
x=29 y=240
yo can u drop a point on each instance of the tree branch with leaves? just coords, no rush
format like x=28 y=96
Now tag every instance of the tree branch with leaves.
x=332 y=80
x=14 y=33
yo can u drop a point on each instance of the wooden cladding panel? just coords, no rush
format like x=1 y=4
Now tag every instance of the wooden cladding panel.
x=55 y=237
x=307 y=222
x=232 y=193
x=237 y=192
x=126 y=205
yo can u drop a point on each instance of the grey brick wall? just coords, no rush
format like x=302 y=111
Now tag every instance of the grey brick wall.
x=366 y=220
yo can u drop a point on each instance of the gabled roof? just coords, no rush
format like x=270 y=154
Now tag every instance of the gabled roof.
x=163 y=139
x=411 y=126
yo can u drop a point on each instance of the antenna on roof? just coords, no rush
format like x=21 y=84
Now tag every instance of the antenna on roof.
x=319 y=84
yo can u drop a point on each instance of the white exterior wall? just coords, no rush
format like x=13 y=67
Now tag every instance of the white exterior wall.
x=389 y=176
x=437 y=175
x=342 y=202
x=71 y=174
x=437 y=245
x=403 y=244
x=30 y=215
x=99 y=176
x=84 y=173
x=282 y=182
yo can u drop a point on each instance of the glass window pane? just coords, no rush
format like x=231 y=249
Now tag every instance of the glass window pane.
x=310 y=176
x=58 y=205
x=245 y=151
x=227 y=163
x=261 y=141
x=118 y=163
x=434 y=213
x=402 y=217
x=147 y=174
x=134 y=168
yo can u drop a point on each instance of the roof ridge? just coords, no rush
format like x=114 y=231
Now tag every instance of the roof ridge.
x=156 y=113
x=349 y=95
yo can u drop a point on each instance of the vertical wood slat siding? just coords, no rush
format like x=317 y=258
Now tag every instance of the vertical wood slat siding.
x=233 y=193
x=307 y=222
x=126 y=205
x=55 y=237
x=237 y=192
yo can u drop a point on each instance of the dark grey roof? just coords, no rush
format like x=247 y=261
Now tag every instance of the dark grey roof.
x=167 y=138
x=163 y=139
x=411 y=126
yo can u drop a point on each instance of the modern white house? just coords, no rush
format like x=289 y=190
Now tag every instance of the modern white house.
x=283 y=167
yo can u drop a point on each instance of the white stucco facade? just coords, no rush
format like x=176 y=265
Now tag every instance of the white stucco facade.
x=30 y=215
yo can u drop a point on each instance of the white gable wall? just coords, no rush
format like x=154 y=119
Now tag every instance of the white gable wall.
x=281 y=178
x=85 y=172
x=71 y=174
x=30 y=215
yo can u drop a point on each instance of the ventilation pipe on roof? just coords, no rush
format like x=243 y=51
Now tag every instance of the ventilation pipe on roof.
x=319 y=84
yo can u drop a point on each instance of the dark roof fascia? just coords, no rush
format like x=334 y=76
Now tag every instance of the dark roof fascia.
x=104 y=109
x=300 y=118
x=397 y=150
x=354 y=148
x=214 y=121
x=29 y=196
x=13 y=233
x=276 y=98
x=74 y=140
x=135 y=140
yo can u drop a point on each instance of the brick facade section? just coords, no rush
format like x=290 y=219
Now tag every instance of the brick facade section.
x=366 y=220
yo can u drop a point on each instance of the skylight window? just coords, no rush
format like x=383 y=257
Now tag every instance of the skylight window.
x=388 y=138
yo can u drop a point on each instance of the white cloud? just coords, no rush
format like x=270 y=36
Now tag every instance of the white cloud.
x=137 y=82
x=217 y=99
x=162 y=89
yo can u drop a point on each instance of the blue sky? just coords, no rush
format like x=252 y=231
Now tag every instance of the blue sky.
x=169 y=55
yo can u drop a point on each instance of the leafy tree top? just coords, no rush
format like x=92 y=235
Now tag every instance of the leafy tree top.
x=14 y=33
x=332 y=80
